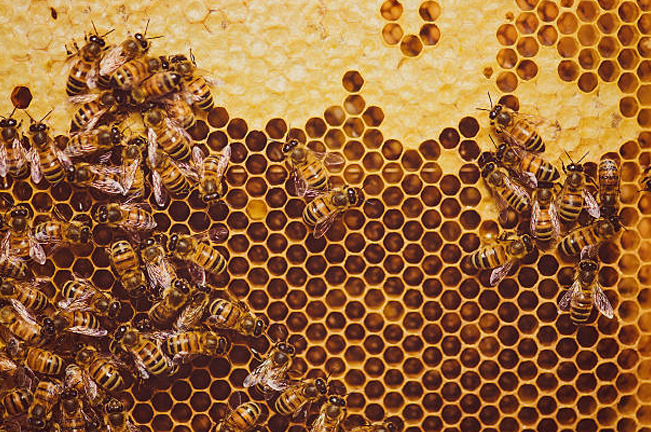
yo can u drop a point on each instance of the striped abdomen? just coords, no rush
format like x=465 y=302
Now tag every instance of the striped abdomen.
x=544 y=228
x=244 y=416
x=575 y=241
x=105 y=374
x=160 y=84
x=526 y=136
x=290 y=401
x=319 y=209
x=151 y=357
x=314 y=174
x=43 y=361
x=200 y=89
x=17 y=401
x=173 y=143
x=520 y=203
x=489 y=257
x=130 y=74
x=51 y=166
x=77 y=78
x=124 y=257
x=229 y=315
x=209 y=258
x=581 y=306
x=570 y=203
x=172 y=177
x=543 y=170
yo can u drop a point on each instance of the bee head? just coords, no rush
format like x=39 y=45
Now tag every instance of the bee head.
x=101 y=214
x=337 y=401
x=97 y=41
x=606 y=228
x=321 y=386
x=84 y=234
x=181 y=285
x=223 y=345
x=258 y=328
x=494 y=112
x=544 y=195
x=354 y=196
x=120 y=332
x=108 y=100
x=34 y=422
x=616 y=223
x=113 y=406
x=588 y=270
x=114 y=309
x=142 y=41
x=59 y=322
x=83 y=354
x=390 y=427
x=154 y=117
x=527 y=242
x=116 y=135
x=290 y=145
x=6 y=289
x=488 y=169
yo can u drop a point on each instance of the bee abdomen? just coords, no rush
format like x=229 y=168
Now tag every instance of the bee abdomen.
x=580 y=310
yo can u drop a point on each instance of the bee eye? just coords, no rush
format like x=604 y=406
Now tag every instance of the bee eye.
x=3 y=123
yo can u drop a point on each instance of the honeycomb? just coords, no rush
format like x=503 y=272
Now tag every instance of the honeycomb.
x=384 y=302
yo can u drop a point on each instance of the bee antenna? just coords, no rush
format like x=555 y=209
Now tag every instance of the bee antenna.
x=107 y=33
x=155 y=37
x=46 y=116
x=12 y=112
x=492 y=140
x=568 y=155
x=30 y=117
x=582 y=157
x=482 y=109
x=489 y=99
x=192 y=59
x=146 y=27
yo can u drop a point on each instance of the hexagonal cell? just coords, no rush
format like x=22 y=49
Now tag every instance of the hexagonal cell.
x=507 y=34
x=507 y=81
x=429 y=34
x=391 y=10
x=392 y=33
x=411 y=45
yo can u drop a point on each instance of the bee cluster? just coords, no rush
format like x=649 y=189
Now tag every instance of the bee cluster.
x=522 y=181
x=65 y=362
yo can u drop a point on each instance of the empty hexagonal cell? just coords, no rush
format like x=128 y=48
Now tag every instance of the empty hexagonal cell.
x=527 y=46
x=547 y=35
x=507 y=81
x=507 y=58
x=568 y=70
x=527 y=23
x=567 y=23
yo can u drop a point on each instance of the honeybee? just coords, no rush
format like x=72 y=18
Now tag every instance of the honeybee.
x=83 y=73
x=159 y=269
x=116 y=419
x=590 y=237
x=20 y=241
x=529 y=166
x=91 y=141
x=45 y=158
x=16 y=402
x=125 y=216
x=201 y=255
x=59 y=232
x=271 y=374
x=544 y=223
x=296 y=399
x=190 y=316
x=133 y=178
x=79 y=322
x=93 y=108
x=175 y=296
x=168 y=135
x=574 y=194
x=12 y=153
x=195 y=87
x=519 y=128
x=72 y=417
x=331 y=415
x=11 y=267
x=81 y=295
x=101 y=177
x=241 y=419
x=608 y=187
x=509 y=248
x=308 y=167
x=505 y=190
x=78 y=379
x=20 y=322
x=181 y=346
x=126 y=264
x=131 y=48
x=147 y=355
x=7 y=365
x=36 y=359
x=385 y=426
x=156 y=86
x=233 y=314
x=211 y=171
x=27 y=294
x=179 y=111
x=100 y=367
x=46 y=395
x=134 y=72
x=321 y=212
x=168 y=175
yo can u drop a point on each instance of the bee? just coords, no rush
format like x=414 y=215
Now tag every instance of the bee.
x=7 y=365
x=16 y=402
x=169 y=175
x=72 y=418
x=385 y=426
x=134 y=72
x=574 y=194
x=116 y=419
x=325 y=208
x=81 y=295
x=13 y=160
x=201 y=255
x=46 y=395
x=195 y=87
x=11 y=267
x=20 y=322
x=20 y=240
x=91 y=141
x=590 y=237
x=168 y=135
x=211 y=172
x=59 y=232
x=36 y=359
x=78 y=379
x=506 y=191
x=133 y=47
x=147 y=355
x=126 y=264
x=190 y=316
x=529 y=166
x=501 y=256
x=156 y=86
x=175 y=297
x=308 y=167
x=101 y=177
x=295 y=400
x=83 y=73
x=133 y=178
x=100 y=368
x=159 y=269
x=78 y=322
x=235 y=315
x=608 y=187
x=544 y=224
x=26 y=294
x=124 y=216
x=331 y=415
x=181 y=346
x=93 y=108
x=179 y=111
x=271 y=374
x=46 y=160
x=517 y=127
x=241 y=419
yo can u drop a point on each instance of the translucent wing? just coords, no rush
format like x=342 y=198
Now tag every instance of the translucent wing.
x=275 y=378
x=132 y=427
x=129 y=175
x=564 y=302
x=319 y=423
x=140 y=365
x=152 y=145
x=160 y=273
x=322 y=226
x=81 y=303
x=24 y=313
x=157 y=186
x=185 y=169
x=174 y=125
x=500 y=273
x=84 y=98
x=112 y=60
x=36 y=251
x=93 y=121
x=556 y=224
x=197 y=273
x=7 y=365
x=548 y=130
x=87 y=331
x=535 y=216
x=197 y=160
x=91 y=79
x=191 y=315
x=224 y=159
x=529 y=179
x=591 y=204
x=590 y=250
x=106 y=180
x=258 y=374
x=3 y=161
x=4 y=246
x=19 y=153
x=330 y=160
x=300 y=184
x=601 y=301
x=34 y=165
x=517 y=189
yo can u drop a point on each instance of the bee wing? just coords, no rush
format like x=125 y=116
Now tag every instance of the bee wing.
x=5 y=254
x=186 y=170
x=91 y=79
x=106 y=180
x=224 y=159
x=3 y=161
x=140 y=365
x=152 y=145
x=517 y=189
x=529 y=179
x=112 y=60
x=276 y=379
x=330 y=160
x=129 y=174
x=601 y=301
x=321 y=227
x=81 y=303
x=19 y=153
x=300 y=183
x=132 y=427
x=548 y=130
x=93 y=121
x=190 y=317
x=535 y=215
x=160 y=273
x=24 y=313
x=197 y=160
x=86 y=331
x=553 y=214
x=34 y=165
x=157 y=186
x=258 y=374
x=36 y=251
x=591 y=204
x=84 y=98
x=564 y=302
x=7 y=365
x=197 y=273
x=319 y=423
x=500 y=273
x=175 y=125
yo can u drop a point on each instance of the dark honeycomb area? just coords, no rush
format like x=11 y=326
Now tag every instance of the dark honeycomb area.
x=381 y=303
x=411 y=45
